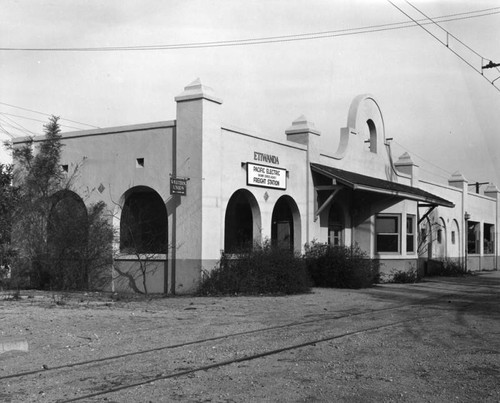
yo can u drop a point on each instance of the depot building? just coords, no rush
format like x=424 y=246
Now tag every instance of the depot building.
x=194 y=187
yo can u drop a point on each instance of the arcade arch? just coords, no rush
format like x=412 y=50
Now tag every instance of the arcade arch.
x=143 y=222
x=285 y=224
x=242 y=223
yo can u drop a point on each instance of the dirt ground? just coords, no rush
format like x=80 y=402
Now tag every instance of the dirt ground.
x=435 y=341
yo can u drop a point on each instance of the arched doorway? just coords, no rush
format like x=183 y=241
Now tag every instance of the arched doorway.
x=242 y=222
x=335 y=225
x=143 y=222
x=285 y=224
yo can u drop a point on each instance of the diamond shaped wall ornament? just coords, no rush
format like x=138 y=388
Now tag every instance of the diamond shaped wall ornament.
x=101 y=188
x=266 y=196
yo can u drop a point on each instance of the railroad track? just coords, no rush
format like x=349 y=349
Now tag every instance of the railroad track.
x=103 y=376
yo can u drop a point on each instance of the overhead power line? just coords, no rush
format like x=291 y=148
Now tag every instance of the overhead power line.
x=44 y=114
x=37 y=120
x=448 y=44
x=16 y=126
x=270 y=39
x=422 y=158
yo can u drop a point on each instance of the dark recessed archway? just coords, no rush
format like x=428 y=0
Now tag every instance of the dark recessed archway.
x=242 y=222
x=285 y=224
x=67 y=238
x=143 y=222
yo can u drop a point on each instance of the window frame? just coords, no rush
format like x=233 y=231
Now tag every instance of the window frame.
x=397 y=217
x=473 y=242
x=411 y=217
x=488 y=241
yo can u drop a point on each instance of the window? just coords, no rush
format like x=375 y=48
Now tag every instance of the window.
x=410 y=233
x=453 y=237
x=473 y=236
x=440 y=235
x=489 y=238
x=335 y=225
x=387 y=234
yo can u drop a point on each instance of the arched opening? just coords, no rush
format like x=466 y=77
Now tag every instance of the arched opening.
x=143 y=222
x=242 y=222
x=67 y=238
x=441 y=238
x=372 y=130
x=285 y=227
x=455 y=240
x=336 y=225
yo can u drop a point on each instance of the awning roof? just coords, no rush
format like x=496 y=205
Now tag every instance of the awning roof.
x=367 y=183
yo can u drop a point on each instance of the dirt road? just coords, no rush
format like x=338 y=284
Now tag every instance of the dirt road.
x=436 y=341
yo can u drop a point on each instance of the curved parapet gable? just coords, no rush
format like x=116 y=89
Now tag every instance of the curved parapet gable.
x=365 y=120
x=363 y=141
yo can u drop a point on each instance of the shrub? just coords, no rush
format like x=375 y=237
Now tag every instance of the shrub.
x=449 y=268
x=405 y=276
x=261 y=270
x=340 y=266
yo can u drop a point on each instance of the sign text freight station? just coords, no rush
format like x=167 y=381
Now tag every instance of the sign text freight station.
x=266 y=175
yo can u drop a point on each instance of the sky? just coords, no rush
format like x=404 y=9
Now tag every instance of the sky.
x=435 y=106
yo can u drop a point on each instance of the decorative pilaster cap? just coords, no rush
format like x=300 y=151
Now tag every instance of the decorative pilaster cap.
x=404 y=160
x=196 y=90
x=491 y=188
x=302 y=125
x=457 y=177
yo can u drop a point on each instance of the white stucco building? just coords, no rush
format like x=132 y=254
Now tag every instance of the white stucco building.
x=241 y=188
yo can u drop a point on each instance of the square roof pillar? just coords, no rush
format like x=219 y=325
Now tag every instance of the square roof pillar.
x=197 y=156
x=491 y=191
x=458 y=180
x=303 y=131
x=406 y=165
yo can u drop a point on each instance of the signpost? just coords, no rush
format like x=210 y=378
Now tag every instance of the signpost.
x=178 y=186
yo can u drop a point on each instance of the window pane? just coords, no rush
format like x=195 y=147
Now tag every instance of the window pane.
x=489 y=238
x=409 y=225
x=387 y=243
x=473 y=236
x=409 y=243
x=387 y=225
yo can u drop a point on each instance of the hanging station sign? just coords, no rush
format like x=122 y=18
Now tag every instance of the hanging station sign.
x=178 y=186
x=266 y=176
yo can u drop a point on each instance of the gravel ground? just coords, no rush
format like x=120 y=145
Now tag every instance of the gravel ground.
x=435 y=341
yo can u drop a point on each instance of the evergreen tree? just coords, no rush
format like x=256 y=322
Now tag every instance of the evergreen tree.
x=53 y=233
x=8 y=195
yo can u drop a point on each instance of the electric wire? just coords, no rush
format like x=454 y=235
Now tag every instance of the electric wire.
x=37 y=120
x=270 y=39
x=6 y=132
x=14 y=124
x=48 y=114
x=447 y=32
x=442 y=42
x=422 y=158
x=458 y=40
